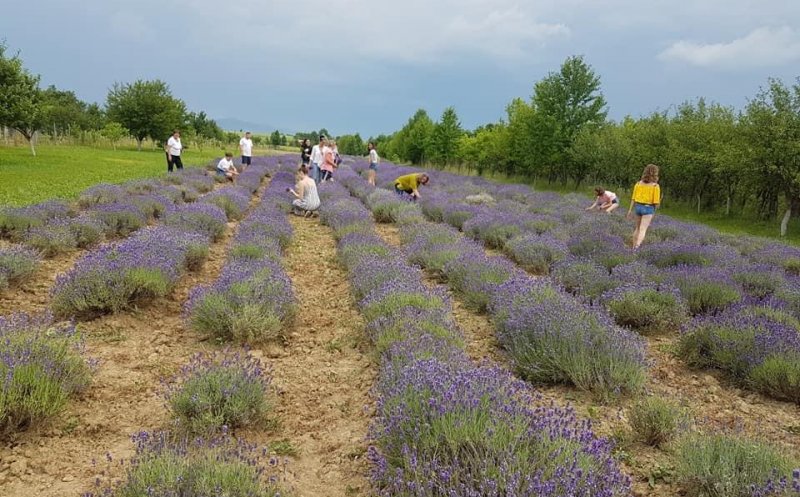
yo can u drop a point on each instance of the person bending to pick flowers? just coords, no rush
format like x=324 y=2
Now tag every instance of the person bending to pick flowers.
x=646 y=197
x=410 y=184
x=225 y=167
x=605 y=201
x=305 y=191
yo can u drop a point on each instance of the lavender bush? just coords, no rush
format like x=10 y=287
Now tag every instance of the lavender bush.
x=119 y=218
x=168 y=465
x=727 y=465
x=251 y=301
x=17 y=263
x=102 y=194
x=204 y=218
x=648 y=309
x=213 y=391
x=42 y=365
x=233 y=201
x=706 y=290
x=583 y=277
x=536 y=253
x=118 y=276
x=63 y=235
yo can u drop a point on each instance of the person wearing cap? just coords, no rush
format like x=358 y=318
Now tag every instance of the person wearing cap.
x=246 y=148
x=316 y=159
x=409 y=184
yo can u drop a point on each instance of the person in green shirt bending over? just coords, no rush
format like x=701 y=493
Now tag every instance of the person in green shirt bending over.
x=410 y=184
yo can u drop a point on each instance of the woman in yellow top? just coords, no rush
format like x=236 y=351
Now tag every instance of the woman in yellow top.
x=410 y=184
x=646 y=197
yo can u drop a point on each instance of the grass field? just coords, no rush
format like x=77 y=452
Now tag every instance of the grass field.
x=63 y=171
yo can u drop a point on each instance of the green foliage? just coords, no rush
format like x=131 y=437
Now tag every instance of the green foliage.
x=656 y=421
x=275 y=139
x=724 y=465
x=647 y=310
x=146 y=108
x=445 y=138
x=114 y=132
x=20 y=97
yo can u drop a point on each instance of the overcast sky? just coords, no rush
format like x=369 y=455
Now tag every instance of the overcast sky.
x=367 y=65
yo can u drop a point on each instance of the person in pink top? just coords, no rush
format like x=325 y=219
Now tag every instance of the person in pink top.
x=605 y=201
x=328 y=162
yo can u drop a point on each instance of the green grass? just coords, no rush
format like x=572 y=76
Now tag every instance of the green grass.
x=63 y=171
x=737 y=224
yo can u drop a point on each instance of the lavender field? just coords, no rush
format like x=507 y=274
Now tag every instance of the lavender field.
x=190 y=337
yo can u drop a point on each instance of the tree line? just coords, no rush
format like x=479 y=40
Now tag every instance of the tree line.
x=142 y=110
x=711 y=156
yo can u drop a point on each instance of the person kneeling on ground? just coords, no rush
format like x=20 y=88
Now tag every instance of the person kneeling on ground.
x=225 y=167
x=305 y=191
x=410 y=184
x=606 y=201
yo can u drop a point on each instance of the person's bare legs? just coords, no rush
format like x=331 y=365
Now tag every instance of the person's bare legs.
x=636 y=231
x=641 y=231
x=611 y=208
x=371 y=177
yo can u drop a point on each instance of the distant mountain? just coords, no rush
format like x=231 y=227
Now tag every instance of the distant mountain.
x=233 y=124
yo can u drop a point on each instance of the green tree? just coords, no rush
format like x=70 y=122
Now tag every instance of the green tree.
x=62 y=111
x=204 y=126
x=114 y=132
x=351 y=145
x=146 y=108
x=445 y=137
x=20 y=98
x=275 y=138
x=772 y=126
x=413 y=142
x=566 y=102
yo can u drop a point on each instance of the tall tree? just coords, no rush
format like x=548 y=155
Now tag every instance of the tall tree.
x=62 y=111
x=568 y=101
x=445 y=137
x=146 y=108
x=20 y=97
x=275 y=138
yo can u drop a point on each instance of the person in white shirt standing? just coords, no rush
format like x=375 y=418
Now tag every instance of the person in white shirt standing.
x=226 y=169
x=373 y=164
x=316 y=159
x=246 y=148
x=173 y=150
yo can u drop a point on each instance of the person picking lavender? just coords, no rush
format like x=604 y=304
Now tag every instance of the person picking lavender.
x=605 y=201
x=409 y=184
x=305 y=191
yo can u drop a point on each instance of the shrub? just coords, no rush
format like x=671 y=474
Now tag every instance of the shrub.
x=102 y=194
x=536 y=253
x=656 y=421
x=119 y=218
x=14 y=221
x=17 y=263
x=153 y=205
x=706 y=290
x=757 y=346
x=233 y=201
x=251 y=301
x=554 y=339
x=671 y=254
x=647 y=309
x=783 y=256
x=206 y=219
x=388 y=207
x=494 y=228
x=476 y=278
x=583 y=277
x=168 y=465
x=221 y=390
x=137 y=270
x=41 y=366
x=63 y=235
x=725 y=465
x=458 y=214
x=759 y=280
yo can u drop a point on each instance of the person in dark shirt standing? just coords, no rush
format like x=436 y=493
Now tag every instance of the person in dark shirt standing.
x=305 y=152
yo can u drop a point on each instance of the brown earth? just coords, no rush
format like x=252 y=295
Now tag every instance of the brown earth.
x=321 y=375
x=713 y=401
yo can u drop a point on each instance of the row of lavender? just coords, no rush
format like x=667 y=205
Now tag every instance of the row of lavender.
x=551 y=336
x=252 y=300
x=736 y=299
x=444 y=426
x=42 y=363
x=217 y=394
x=103 y=211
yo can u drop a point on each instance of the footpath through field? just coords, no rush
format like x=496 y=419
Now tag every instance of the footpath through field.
x=322 y=377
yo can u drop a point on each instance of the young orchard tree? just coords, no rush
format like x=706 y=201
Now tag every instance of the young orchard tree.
x=146 y=108
x=114 y=132
x=20 y=98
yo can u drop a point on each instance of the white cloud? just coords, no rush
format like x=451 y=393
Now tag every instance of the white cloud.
x=762 y=47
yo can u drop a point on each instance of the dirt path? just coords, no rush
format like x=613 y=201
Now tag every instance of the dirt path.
x=323 y=375
x=33 y=295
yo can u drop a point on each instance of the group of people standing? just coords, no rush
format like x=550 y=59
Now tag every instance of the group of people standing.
x=645 y=200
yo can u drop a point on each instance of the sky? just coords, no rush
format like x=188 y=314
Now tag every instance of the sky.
x=367 y=65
